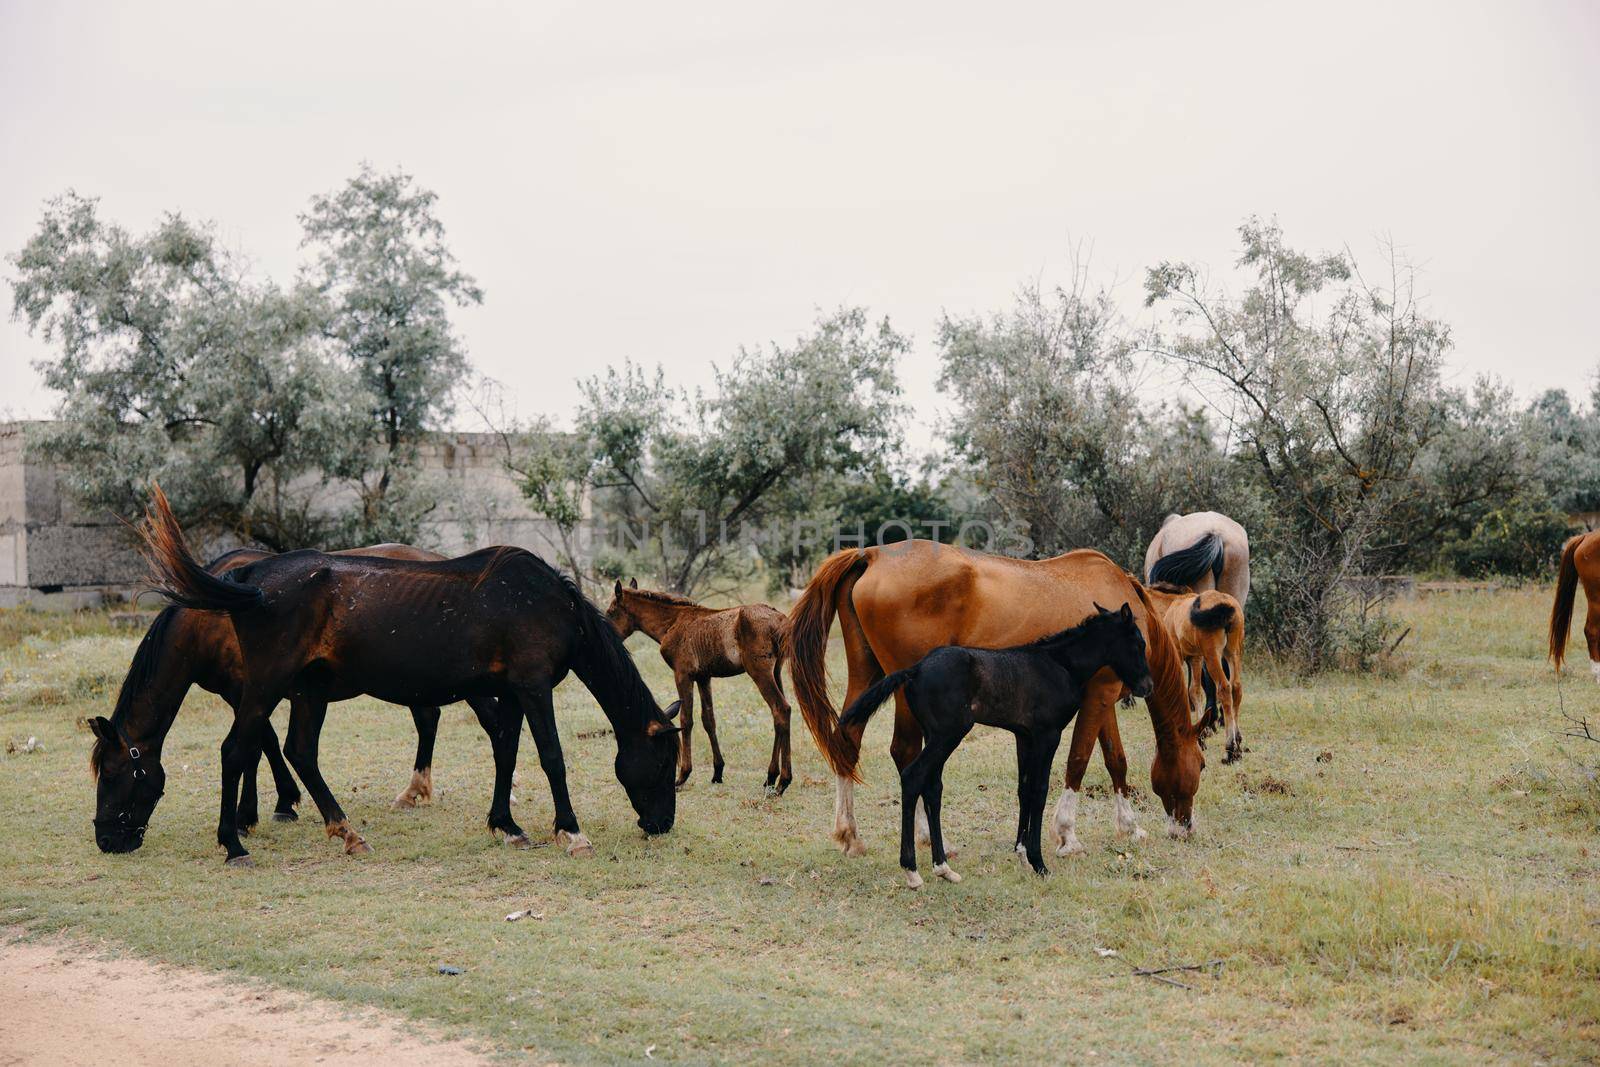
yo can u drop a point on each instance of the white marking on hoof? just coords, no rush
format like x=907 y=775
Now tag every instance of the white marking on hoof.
x=943 y=871
x=1065 y=823
x=855 y=847
x=575 y=844
x=239 y=861
x=1127 y=821
x=1020 y=849
x=913 y=880
x=1594 y=667
x=1178 y=830
x=518 y=841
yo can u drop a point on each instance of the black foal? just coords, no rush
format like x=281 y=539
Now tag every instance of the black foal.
x=1032 y=690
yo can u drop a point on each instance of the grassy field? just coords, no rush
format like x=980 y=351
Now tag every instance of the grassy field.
x=1403 y=867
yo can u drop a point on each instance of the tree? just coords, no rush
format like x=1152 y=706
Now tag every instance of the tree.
x=390 y=281
x=689 y=483
x=1049 y=424
x=174 y=366
x=1331 y=405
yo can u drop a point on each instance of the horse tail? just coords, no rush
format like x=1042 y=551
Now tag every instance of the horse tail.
x=177 y=575
x=1566 y=592
x=1217 y=615
x=876 y=693
x=807 y=642
x=1187 y=566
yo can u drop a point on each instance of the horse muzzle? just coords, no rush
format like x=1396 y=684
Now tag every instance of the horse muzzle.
x=653 y=827
x=119 y=841
x=1144 y=686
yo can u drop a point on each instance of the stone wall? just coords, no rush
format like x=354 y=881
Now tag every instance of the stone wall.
x=55 y=554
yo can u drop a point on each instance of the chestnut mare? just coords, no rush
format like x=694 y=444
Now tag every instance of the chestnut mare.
x=701 y=643
x=185 y=648
x=1580 y=562
x=897 y=603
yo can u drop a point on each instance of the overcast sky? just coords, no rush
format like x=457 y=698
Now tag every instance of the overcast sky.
x=668 y=181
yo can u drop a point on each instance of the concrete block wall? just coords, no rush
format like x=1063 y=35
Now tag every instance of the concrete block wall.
x=53 y=553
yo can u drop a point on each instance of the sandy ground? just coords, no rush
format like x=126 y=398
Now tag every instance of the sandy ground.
x=60 y=1003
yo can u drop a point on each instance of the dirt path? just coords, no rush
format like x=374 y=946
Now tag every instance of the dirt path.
x=62 y=1004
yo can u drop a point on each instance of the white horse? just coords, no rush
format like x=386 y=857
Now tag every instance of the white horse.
x=1202 y=550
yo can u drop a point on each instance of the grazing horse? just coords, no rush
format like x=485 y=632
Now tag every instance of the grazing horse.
x=1580 y=562
x=497 y=623
x=1202 y=550
x=897 y=603
x=1208 y=629
x=701 y=643
x=1032 y=690
x=184 y=648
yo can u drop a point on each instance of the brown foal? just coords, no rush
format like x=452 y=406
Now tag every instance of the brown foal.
x=701 y=643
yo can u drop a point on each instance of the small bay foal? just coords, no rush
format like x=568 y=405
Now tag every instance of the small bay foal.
x=701 y=643
x=1208 y=629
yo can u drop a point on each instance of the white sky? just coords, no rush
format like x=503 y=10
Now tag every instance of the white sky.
x=668 y=181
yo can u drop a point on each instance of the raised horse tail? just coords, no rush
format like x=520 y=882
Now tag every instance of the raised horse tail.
x=177 y=575
x=1566 y=592
x=1217 y=613
x=807 y=643
x=1186 y=566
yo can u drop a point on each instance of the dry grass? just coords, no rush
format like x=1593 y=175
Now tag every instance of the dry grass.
x=1428 y=891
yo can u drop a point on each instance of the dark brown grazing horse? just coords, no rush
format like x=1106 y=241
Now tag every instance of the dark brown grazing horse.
x=184 y=648
x=897 y=603
x=499 y=623
x=1580 y=563
x=701 y=643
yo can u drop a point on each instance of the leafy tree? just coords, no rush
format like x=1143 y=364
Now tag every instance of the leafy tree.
x=389 y=280
x=1331 y=388
x=1568 y=443
x=689 y=483
x=174 y=366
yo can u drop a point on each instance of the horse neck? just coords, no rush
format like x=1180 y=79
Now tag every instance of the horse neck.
x=1169 y=700
x=656 y=617
x=603 y=665
x=156 y=684
x=1076 y=653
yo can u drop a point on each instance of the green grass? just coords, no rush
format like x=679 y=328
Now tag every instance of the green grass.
x=1431 y=892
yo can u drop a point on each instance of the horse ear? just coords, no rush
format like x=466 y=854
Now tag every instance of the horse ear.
x=618 y=589
x=657 y=727
x=672 y=711
x=633 y=583
x=101 y=727
x=1100 y=609
x=1127 y=611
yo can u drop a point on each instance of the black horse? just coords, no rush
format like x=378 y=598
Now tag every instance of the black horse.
x=1033 y=690
x=499 y=623
x=185 y=648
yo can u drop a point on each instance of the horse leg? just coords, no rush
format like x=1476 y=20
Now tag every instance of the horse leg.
x=1044 y=754
x=1116 y=761
x=502 y=721
x=1209 y=684
x=305 y=734
x=1084 y=732
x=904 y=747
x=863 y=670
x=239 y=749
x=709 y=717
x=913 y=780
x=420 y=789
x=779 y=770
x=686 y=726
x=1591 y=632
x=542 y=721
x=1024 y=771
x=282 y=779
x=249 y=808
x=933 y=795
x=1230 y=718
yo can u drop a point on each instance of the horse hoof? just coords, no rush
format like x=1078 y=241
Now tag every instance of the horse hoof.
x=1070 y=847
x=856 y=847
x=943 y=871
x=286 y=816
x=404 y=802
x=913 y=880
x=771 y=791
x=1042 y=871
x=518 y=841
x=575 y=844
x=239 y=861
x=357 y=847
